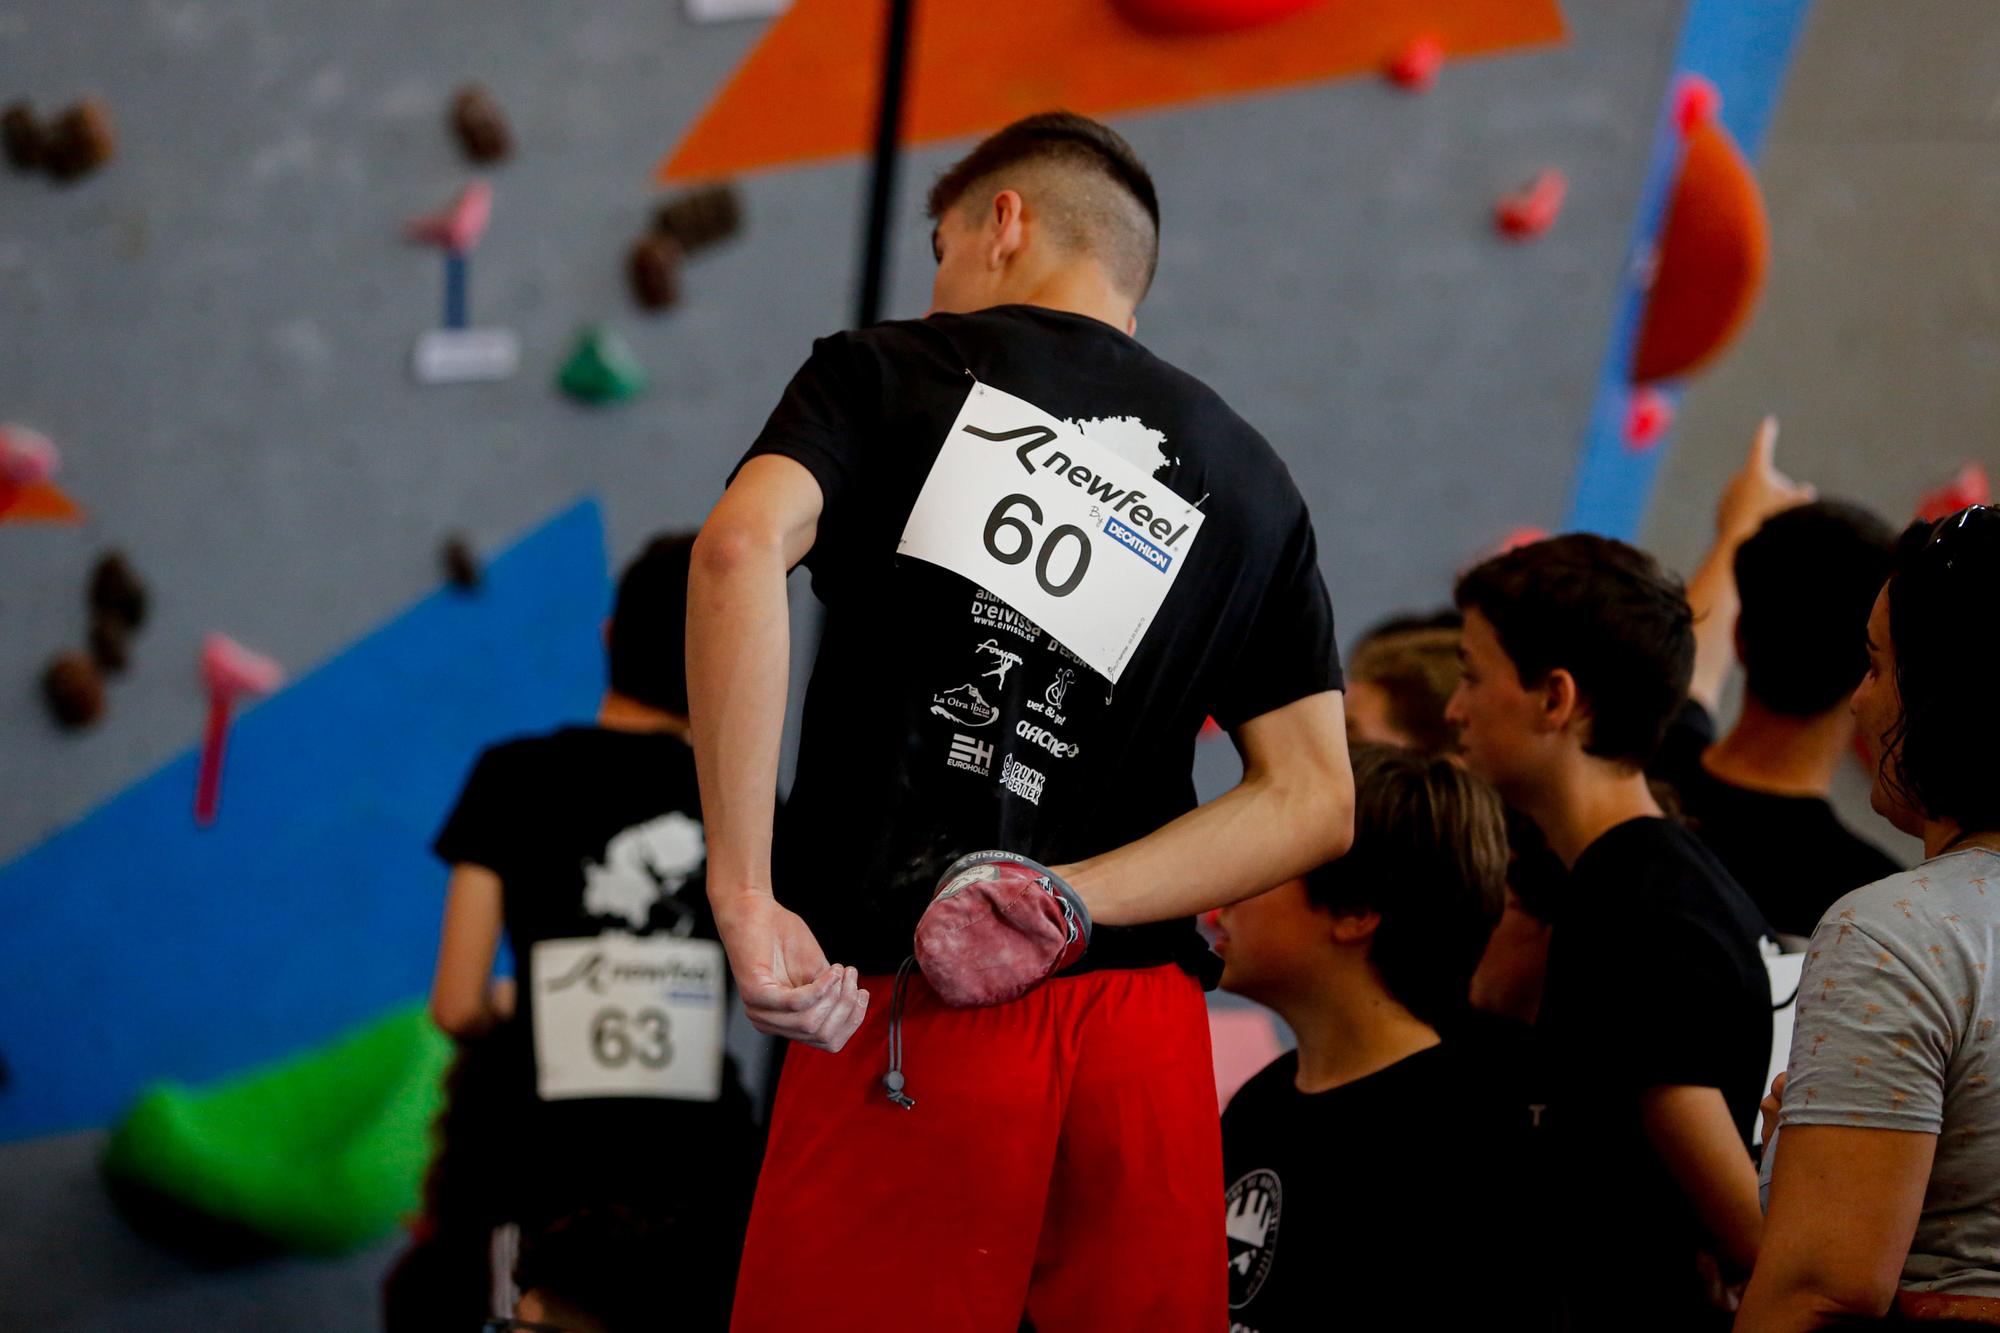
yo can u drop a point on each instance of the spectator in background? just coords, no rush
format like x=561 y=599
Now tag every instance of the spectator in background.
x=594 y=1083
x=1399 y=679
x=1656 y=1016
x=1340 y=1156
x=1885 y=1183
x=1786 y=589
x=1397 y=685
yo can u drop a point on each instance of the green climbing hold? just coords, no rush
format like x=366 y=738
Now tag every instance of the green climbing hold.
x=321 y=1152
x=602 y=369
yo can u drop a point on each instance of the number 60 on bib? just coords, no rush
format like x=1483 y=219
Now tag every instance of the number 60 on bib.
x=1078 y=539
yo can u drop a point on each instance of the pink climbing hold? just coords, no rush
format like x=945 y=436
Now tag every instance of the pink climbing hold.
x=1697 y=101
x=1530 y=212
x=1968 y=486
x=1519 y=537
x=1416 y=66
x=1648 y=413
x=27 y=457
x=229 y=670
x=459 y=225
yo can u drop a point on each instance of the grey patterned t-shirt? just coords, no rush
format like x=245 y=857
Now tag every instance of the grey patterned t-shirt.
x=1895 y=1031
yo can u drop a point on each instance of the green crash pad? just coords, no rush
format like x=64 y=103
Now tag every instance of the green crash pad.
x=321 y=1152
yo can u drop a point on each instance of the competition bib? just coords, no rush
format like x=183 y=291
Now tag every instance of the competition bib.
x=628 y=1016
x=1074 y=537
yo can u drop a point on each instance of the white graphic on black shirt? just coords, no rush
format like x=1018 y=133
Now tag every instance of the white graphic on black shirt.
x=1058 y=687
x=1251 y=1223
x=641 y=866
x=1003 y=661
x=1047 y=739
x=1132 y=440
x=989 y=612
x=970 y=754
x=964 y=705
x=1023 y=781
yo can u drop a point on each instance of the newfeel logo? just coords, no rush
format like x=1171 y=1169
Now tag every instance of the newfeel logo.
x=1137 y=545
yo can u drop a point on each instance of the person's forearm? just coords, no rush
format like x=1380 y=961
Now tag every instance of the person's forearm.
x=1713 y=598
x=738 y=667
x=1781 y=1303
x=1252 y=838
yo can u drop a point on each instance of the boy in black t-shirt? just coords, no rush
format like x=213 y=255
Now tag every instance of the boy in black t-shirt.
x=1787 y=588
x=1343 y=1157
x=1656 y=1014
x=1046 y=557
x=601 y=1077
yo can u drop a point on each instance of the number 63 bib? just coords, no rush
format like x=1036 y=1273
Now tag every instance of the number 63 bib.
x=1074 y=537
x=628 y=1016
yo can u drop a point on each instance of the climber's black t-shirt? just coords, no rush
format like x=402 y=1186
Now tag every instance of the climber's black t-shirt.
x=942 y=720
x=595 y=832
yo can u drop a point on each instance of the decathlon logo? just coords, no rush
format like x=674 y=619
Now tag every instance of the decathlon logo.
x=1048 y=740
x=1137 y=545
x=970 y=755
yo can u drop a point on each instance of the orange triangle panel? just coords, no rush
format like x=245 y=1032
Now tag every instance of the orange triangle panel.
x=808 y=91
x=41 y=503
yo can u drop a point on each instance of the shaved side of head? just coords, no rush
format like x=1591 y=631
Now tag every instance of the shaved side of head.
x=1078 y=179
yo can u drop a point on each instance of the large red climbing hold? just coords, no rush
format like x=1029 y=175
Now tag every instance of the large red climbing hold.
x=1207 y=16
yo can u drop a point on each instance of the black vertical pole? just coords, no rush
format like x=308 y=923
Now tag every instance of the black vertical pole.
x=888 y=156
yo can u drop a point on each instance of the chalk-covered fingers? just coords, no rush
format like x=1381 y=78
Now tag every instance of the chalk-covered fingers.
x=823 y=1014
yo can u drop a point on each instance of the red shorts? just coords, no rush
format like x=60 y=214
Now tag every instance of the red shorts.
x=1063 y=1161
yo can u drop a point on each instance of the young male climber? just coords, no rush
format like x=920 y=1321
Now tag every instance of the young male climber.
x=1656 y=1008
x=1046 y=556
x=597 y=1076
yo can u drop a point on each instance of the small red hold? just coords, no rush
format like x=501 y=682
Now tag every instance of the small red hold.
x=458 y=225
x=1968 y=486
x=1648 y=414
x=1210 y=729
x=1530 y=212
x=1416 y=66
x=1522 y=536
x=1696 y=102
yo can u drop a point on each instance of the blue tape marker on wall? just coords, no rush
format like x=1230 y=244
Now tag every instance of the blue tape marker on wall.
x=134 y=946
x=1744 y=50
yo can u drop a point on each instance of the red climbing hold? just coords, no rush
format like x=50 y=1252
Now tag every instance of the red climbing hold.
x=1206 y=16
x=1416 y=66
x=1696 y=102
x=1519 y=537
x=1968 y=487
x=1530 y=212
x=1648 y=413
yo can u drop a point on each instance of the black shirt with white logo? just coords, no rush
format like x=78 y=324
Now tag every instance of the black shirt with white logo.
x=1655 y=979
x=591 y=831
x=1406 y=1199
x=1791 y=854
x=940 y=720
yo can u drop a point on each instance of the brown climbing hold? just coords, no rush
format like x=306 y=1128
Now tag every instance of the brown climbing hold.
x=75 y=690
x=461 y=565
x=654 y=268
x=27 y=141
x=81 y=140
x=115 y=590
x=700 y=218
x=110 y=641
x=480 y=124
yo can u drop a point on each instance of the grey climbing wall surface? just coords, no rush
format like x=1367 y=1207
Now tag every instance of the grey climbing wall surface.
x=216 y=330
